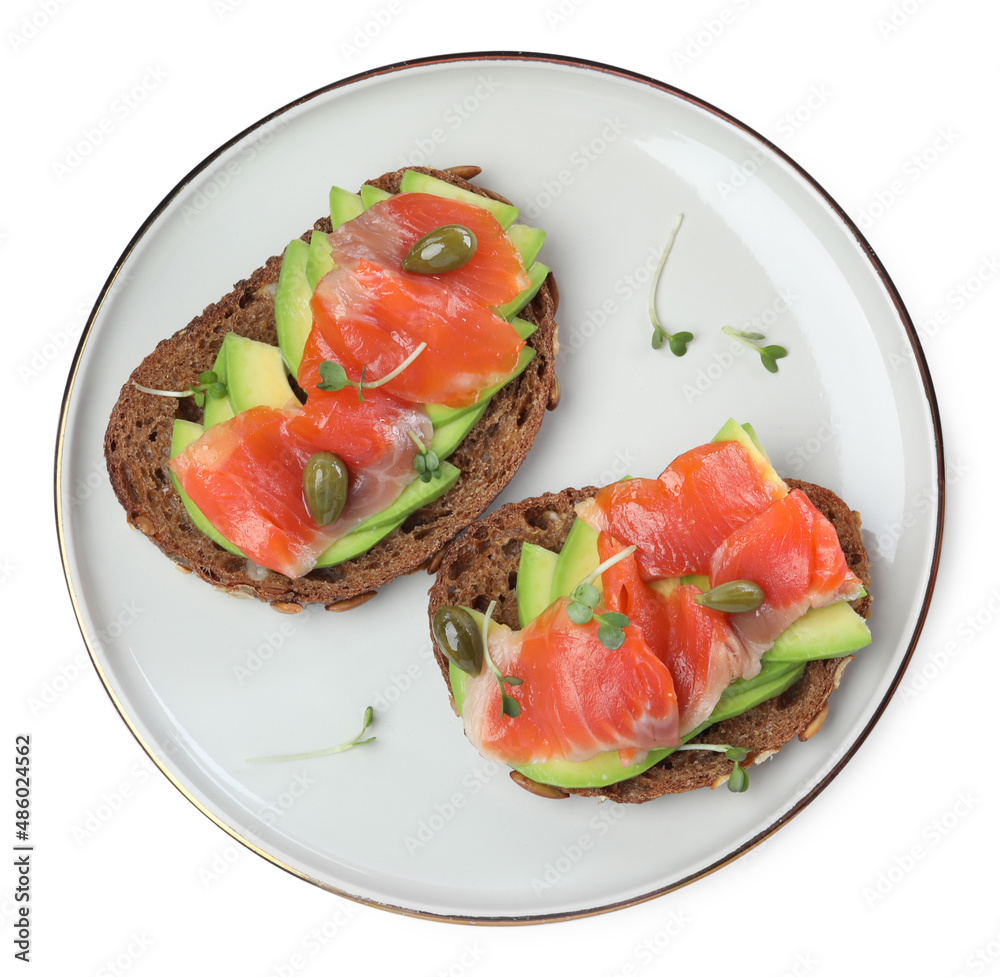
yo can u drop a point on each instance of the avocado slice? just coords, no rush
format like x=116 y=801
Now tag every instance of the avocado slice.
x=527 y=240
x=292 y=314
x=364 y=537
x=344 y=206
x=256 y=374
x=218 y=409
x=746 y=436
x=822 y=632
x=372 y=195
x=745 y=693
x=577 y=560
x=537 y=274
x=534 y=581
x=183 y=434
x=414 y=181
x=319 y=261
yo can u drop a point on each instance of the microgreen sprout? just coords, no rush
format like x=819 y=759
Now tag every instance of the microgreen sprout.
x=208 y=385
x=509 y=706
x=677 y=341
x=739 y=779
x=333 y=376
x=769 y=355
x=585 y=598
x=427 y=463
x=339 y=748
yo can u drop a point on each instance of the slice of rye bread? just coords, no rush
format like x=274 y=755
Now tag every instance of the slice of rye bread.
x=137 y=445
x=481 y=565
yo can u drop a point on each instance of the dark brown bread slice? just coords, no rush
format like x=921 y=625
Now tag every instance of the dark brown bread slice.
x=481 y=565
x=137 y=446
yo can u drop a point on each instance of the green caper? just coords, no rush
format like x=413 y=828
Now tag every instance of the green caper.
x=458 y=637
x=444 y=249
x=324 y=482
x=732 y=597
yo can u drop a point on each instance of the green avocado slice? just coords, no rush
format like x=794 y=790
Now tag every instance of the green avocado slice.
x=183 y=434
x=372 y=195
x=578 y=558
x=534 y=581
x=537 y=274
x=344 y=206
x=414 y=181
x=320 y=259
x=822 y=632
x=292 y=314
x=218 y=409
x=255 y=374
x=527 y=240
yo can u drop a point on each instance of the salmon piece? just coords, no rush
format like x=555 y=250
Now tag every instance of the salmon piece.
x=792 y=552
x=385 y=233
x=375 y=319
x=697 y=645
x=679 y=518
x=577 y=698
x=363 y=433
x=373 y=315
x=245 y=474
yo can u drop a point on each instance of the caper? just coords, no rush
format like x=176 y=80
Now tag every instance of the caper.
x=324 y=482
x=458 y=637
x=732 y=597
x=443 y=249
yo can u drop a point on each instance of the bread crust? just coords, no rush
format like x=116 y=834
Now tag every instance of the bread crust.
x=138 y=436
x=481 y=565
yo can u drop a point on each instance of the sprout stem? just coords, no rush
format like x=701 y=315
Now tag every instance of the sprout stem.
x=659 y=270
x=371 y=384
x=339 y=748
x=610 y=562
x=162 y=393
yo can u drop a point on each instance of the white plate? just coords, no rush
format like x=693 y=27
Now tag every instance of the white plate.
x=604 y=160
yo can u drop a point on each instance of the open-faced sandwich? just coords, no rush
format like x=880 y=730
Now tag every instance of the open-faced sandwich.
x=657 y=634
x=351 y=406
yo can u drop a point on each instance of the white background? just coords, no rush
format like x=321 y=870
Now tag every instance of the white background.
x=889 y=105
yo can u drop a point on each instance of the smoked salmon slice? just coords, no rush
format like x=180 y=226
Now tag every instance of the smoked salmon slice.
x=374 y=315
x=577 y=698
x=374 y=319
x=697 y=645
x=384 y=234
x=361 y=432
x=790 y=550
x=245 y=475
x=679 y=518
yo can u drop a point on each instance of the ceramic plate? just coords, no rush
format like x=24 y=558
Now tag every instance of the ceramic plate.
x=604 y=160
